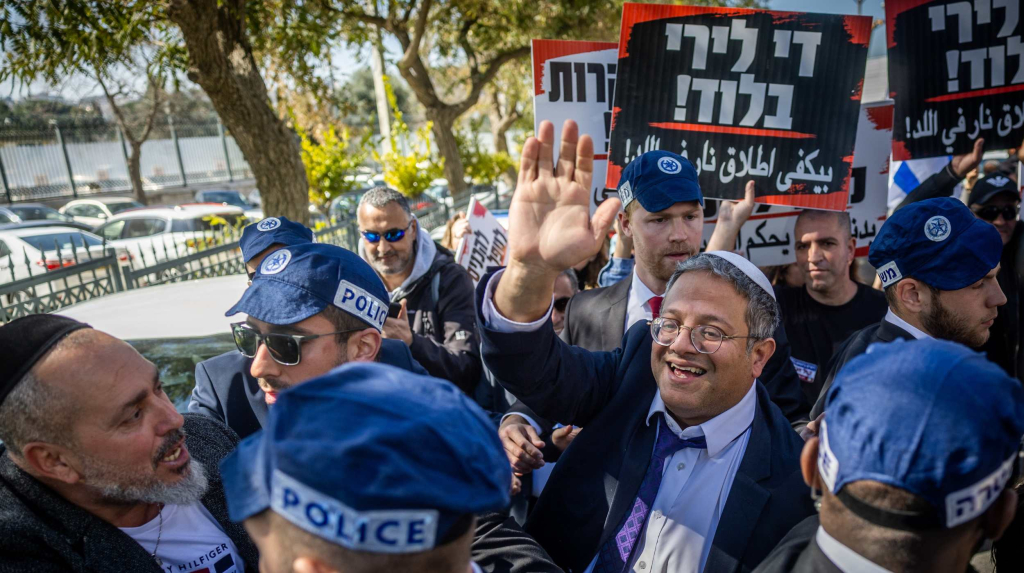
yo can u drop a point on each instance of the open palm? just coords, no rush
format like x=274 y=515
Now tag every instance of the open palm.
x=550 y=227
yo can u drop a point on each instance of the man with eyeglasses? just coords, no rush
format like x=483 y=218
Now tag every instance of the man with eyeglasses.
x=436 y=319
x=684 y=463
x=566 y=287
x=237 y=387
x=995 y=198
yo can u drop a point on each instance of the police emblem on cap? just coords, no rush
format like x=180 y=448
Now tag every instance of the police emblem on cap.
x=937 y=228
x=268 y=224
x=626 y=193
x=276 y=262
x=669 y=165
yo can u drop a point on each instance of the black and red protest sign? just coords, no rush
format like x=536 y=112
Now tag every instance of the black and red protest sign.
x=956 y=71
x=743 y=94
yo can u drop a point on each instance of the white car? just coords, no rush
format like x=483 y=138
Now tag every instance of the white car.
x=174 y=325
x=33 y=251
x=156 y=234
x=94 y=212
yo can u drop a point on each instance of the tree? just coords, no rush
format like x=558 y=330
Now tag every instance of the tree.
x=509 y=103
x=412 y=172
x=482 y=166
x=110 y=43
x=332 y=163
x=359 y=100
x=221 y=61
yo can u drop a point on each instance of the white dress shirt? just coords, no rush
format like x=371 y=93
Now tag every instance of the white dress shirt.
x=846 y=559
x=917 y=333
x=695 y=486
x=638 y=306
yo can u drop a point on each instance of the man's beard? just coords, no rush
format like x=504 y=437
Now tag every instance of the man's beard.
x=117 y=485
x=395 y=266
x=944 y=325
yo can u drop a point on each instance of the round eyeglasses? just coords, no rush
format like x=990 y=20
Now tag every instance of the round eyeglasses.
x=706 y=339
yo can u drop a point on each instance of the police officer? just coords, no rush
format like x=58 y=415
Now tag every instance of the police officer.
x=905 y=492
x=338 y=482
x=236 y=389
x=938 y=266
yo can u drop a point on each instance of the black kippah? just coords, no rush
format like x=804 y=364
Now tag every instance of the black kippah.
x=25 y=340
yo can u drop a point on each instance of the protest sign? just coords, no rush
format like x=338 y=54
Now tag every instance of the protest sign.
x=576 y=80
x=485 y=245
x=743 y=94
x=956 y=70
x=767 y=238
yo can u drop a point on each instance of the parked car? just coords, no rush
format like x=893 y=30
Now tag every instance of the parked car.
x=30 y=251
x=36 y=215
x=155 y=234
x=175 y=325
x=94 y=212
x=230 y=197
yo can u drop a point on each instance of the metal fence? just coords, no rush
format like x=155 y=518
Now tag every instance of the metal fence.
x=65 y=278
x=72 y=161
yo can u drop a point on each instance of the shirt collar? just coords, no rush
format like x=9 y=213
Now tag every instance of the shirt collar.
x=639 y=293
x=846 y=559
x=917 y=333
x=476 y=568
x=719 y=431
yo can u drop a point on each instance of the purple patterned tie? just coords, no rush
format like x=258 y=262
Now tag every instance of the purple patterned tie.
x=614 y=555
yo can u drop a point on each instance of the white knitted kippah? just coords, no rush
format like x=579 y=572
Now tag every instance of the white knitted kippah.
x=748 y=269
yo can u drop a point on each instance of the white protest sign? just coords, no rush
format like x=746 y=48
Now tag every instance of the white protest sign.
x=576 y=80
x=485 y=245
x=767 y=238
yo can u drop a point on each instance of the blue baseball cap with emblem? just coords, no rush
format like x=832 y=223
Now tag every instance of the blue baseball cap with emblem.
x=260 y=236
x=957 y=451
x=659 y=179
x=938 y=242
x=372 y=458
x=294 y=283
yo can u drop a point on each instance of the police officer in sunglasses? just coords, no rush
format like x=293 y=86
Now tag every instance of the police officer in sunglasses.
x=995 y=198
x=320 y=332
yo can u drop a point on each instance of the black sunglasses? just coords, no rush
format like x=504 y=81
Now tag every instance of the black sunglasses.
x=561 y=303
x=391 y=235
x=285 y=349
x=991 y=213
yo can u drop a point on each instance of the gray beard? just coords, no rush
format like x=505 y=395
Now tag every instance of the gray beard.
x=117 y=487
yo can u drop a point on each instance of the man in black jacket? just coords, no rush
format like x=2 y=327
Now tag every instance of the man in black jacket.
x=436 y=320
x=98 y=472
x=938 y=265
x=909 y=493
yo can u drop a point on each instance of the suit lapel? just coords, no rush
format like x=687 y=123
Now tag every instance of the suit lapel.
x=746 y=499
x=634 y=467
x=615 y=317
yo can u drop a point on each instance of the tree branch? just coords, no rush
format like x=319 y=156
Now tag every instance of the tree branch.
x=466 y=47
x=413 y=50
x=480 y=79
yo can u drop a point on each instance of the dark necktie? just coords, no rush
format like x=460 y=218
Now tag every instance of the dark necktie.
x=614 y=555
x=655 y=303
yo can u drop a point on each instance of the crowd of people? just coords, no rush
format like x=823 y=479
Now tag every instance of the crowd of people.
x=647 y=403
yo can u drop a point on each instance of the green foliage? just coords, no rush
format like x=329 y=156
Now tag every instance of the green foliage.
x=359 y=100
x=410 y=173
x=482 y=166
x=331 y=164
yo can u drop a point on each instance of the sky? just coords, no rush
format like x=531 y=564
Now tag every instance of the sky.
x=347 y=59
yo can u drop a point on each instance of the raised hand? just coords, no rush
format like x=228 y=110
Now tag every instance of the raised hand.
x=550 y=227
x=963 y=164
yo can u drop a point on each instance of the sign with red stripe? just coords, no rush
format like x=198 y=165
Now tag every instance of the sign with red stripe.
x=956 y=71
x=575 y=80
x=743 y=94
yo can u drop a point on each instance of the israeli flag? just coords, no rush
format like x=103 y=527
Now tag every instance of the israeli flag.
x=905 y=176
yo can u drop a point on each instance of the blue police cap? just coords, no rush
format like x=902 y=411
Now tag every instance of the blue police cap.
x=372 y=458
x=931 y=417
x=294 y=283
x=658 y=180
x=258 y=237
x=938 y=242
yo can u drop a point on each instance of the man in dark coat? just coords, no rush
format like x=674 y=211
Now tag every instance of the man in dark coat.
x=98 y=472
x=909 y=493
x=938 y=266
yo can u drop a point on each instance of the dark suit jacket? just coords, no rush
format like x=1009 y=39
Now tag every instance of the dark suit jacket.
x=42 y=532
x=226 y=391
x=597 y=479
x=854 y=346
x=596 y=318
x=798 y=552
